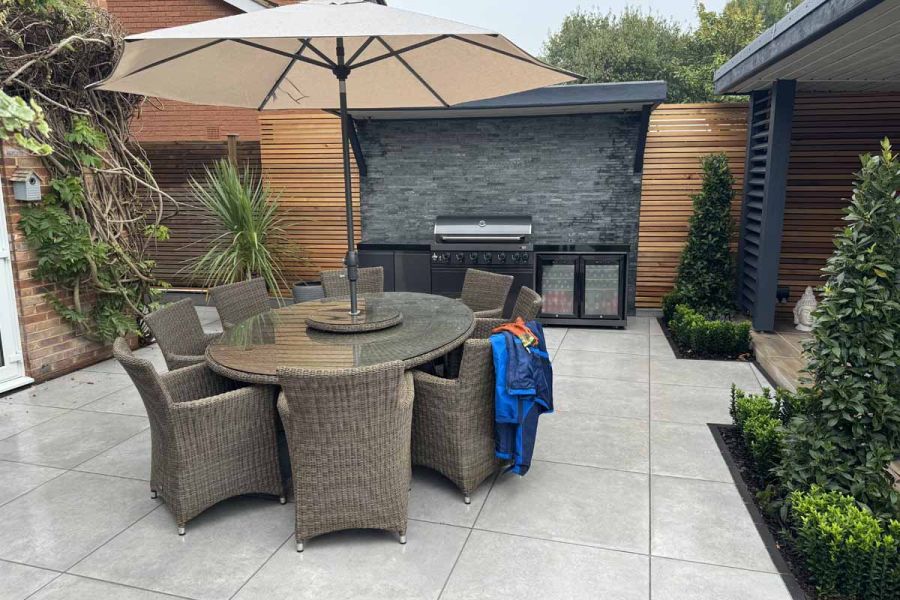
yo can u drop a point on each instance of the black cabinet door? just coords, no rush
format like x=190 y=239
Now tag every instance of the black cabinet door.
x=558 y=284
x=603 y=284
x=380 y=258
x=412 y=271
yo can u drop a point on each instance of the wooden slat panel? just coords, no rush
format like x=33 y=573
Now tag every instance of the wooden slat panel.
x=679 y=136
x=301 y=157
x=830 y=133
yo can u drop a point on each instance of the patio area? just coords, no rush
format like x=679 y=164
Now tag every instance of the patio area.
x=628 y=498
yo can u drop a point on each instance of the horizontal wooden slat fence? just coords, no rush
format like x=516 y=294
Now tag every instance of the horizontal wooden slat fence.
x=828 y=136
x=679 y=136
x=301 y=157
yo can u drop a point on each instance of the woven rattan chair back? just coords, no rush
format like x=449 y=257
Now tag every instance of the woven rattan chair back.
x=157 y=403
x=177 y=329
x=349 y=441
x=528 y=305
x=335 y=282
x=237 y=302
x=484 y=291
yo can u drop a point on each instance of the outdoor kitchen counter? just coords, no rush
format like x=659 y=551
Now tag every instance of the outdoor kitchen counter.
x=253 y=350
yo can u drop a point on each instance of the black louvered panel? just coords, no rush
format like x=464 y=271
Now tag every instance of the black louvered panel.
x=754 y=193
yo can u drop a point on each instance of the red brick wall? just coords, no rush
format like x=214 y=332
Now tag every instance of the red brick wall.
x=164 y=120
x=50 y=346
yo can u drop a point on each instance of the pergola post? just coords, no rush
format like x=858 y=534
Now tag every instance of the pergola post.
x=765 y=189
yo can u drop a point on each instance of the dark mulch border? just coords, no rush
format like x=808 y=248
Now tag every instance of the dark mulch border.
x=688 y=355
x=789 y=563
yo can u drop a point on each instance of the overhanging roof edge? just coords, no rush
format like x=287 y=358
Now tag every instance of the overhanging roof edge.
x=802 y=26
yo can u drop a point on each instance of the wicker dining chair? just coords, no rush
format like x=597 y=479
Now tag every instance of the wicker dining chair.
x=528 y=307
x=210 y=438
x=485 y=293
x=453 y=420
x=335 y=282
x=178 y=331
x=348 y=434
x=237 y=302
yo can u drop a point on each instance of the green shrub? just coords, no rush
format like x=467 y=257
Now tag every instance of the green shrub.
x=757 y=418
x=848 y=551
x=709 y=337
x=851 y=430
x=705 y=279
x=669 y=303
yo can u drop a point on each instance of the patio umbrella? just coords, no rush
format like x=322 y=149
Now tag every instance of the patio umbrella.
x=329 y=54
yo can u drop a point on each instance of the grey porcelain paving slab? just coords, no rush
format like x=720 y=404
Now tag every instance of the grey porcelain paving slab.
x=151 y=353
x=601 y=365
x=611 y=398
x=70 y=587
x=19 y=417
x=361 y=564
x=594 y=441
x=207 y=314
x=222 y=549
x=645 y=325
x=71 y=439
x=18 y=478
x=603 y=340
x=554 y=335
x=126 y=401
x=678 y=580
x=59 y=523
x=571 y=504
x=687 y=450
x=498 y=566
x=130 y=459
x=434 y=498
x=705 y=521
x=689 y=404
x=71 y=391
x=660 y=347
x=17 y=581
x=703 y=373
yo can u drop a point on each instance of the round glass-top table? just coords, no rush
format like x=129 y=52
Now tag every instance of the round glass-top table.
x=252 y=351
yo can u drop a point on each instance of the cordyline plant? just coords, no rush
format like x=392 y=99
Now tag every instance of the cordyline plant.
x=850 y=429
x=705 y=279
x=93 y=230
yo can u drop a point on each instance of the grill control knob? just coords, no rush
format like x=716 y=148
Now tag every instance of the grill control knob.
x=486 y=258
x=459 y=258
x=473 y=257
x=501 y=257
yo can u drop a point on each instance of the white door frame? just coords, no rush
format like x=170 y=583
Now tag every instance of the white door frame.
x=12 y=372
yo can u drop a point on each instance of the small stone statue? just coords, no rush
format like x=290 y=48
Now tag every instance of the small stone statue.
x=803 y=311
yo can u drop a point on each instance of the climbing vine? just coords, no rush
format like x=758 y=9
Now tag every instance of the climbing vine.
x=93 y=230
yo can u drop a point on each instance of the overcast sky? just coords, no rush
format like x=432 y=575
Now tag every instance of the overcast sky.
x=528 y=22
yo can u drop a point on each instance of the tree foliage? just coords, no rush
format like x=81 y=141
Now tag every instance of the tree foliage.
x=851 y=428
x=705 y=279
x=92 y=231
x=638 y=46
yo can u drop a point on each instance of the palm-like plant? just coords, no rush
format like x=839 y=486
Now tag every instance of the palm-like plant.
x=245 y=208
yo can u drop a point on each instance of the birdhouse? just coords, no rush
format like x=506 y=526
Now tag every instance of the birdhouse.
x=26 y=185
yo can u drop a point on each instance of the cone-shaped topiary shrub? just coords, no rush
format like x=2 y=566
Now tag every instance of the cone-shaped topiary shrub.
x=706 y=272
x=851 y=427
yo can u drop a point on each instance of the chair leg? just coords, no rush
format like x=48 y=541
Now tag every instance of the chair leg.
x=282 y=500
x=403 y=538
x=181 y=530
x=153 y=495
x=300 y=546
x=467 y=499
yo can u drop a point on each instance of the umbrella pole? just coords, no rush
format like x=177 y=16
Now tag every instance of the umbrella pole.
x=352 y=259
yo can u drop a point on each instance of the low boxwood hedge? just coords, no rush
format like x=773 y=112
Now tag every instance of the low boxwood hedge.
x=758 y=419
x=701 y=336
x=850 y=553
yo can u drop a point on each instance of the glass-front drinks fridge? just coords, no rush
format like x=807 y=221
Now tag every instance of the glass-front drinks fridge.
x=582 y=285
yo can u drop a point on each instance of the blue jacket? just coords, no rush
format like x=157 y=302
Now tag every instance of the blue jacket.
x=523 y=391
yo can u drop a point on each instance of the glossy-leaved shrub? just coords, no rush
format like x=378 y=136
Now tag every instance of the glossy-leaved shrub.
x=705 y=337
x=849 y=553
x=705 y=280
x=757 y=418
x=850 y=431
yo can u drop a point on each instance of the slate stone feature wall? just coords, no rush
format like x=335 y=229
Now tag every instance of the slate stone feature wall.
x=573 y=174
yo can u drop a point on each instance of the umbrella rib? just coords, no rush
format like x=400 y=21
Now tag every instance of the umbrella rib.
x=393 y=53
x=284 y=74
x=533 y=60
x=409 y=68
x=322 y=55
x=302 y=59
x=174 y=57
x=360 y=50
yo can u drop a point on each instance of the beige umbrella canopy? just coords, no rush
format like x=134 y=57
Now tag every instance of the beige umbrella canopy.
x=328 y=54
